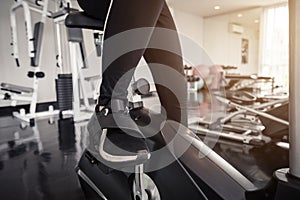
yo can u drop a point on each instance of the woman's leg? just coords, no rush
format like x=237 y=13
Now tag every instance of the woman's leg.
x=125 y=16
x=173 y=90
x=131 y=14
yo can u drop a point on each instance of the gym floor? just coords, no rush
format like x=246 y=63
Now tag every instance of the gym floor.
x=38 y=162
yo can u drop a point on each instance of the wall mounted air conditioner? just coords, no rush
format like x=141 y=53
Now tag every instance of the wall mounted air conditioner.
x=235 y=28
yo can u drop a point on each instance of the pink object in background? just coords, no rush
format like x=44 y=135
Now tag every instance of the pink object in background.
x=212 y=75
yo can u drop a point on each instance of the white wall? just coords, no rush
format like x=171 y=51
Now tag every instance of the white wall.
x=190 y=28
x=224 y=47
x=188 y=25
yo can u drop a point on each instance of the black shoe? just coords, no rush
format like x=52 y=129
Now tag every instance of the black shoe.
x=103 y=112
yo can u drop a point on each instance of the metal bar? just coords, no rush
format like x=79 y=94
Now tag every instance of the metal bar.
x=271 y=117
x=81 y=79
x=35 y=92
x=58 y=47
x=139 y=185
x=45 y=11
x=231 y=115
x=91 y=183
x=246 y=139
x=219 y=161
x=40 y=11
x=110 y=157
x=76 y=94
x=28 y=25
x=14 y=35
x=271 y=103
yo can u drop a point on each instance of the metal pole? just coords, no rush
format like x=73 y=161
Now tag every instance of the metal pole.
x=266 y=115
x=76 y=94
x=28 y=27
x=14 y=35
x=294 y=92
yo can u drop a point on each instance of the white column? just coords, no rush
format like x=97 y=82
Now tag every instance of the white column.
x=294 y=109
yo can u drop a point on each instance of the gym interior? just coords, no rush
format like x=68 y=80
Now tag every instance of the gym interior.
x=242 y=138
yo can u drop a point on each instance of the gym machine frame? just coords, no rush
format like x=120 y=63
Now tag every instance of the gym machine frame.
x=78 y=61
x=17 y=93
x=34 y=42
x=139 y=168
x=246 y=135
x=199 y=167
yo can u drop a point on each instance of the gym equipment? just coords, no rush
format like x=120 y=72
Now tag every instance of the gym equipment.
x=137 y=89
x=273 y=128
x=15 y=89
x=202 y=173
x=242 y=82
x=94 y=174
x=73 y=22
x=242 y=125
x=192 y=80
x=80 y=108
x=64 y=92
x=76 y=21
x=241 y=97
x=196 y=173
x=34 y=41
x=34 y=38
x=230 y=103
x=104 y=181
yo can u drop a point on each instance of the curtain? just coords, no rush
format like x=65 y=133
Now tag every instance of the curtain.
x=274 y=42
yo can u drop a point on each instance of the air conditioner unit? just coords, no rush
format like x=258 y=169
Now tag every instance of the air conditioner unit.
x=235 y=28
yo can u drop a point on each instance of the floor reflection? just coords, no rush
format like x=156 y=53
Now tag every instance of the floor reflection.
x=256 y=163
x=38 y=162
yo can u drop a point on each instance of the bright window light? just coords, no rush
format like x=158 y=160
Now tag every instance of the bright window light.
x=275 y=45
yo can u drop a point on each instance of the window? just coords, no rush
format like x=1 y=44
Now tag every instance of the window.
x=274 y=41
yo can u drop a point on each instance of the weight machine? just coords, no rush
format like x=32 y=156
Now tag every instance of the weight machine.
x=34 y=39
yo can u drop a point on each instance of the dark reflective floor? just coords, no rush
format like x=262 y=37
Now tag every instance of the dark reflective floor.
x=38 y=162
x=255 y=163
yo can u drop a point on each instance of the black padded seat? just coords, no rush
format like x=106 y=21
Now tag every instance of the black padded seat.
x=82 y=20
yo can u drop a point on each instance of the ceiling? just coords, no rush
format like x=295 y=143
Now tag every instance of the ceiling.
x=247 y=18
x=205 y=8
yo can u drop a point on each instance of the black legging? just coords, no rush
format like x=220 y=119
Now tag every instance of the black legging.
x=131 y=14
